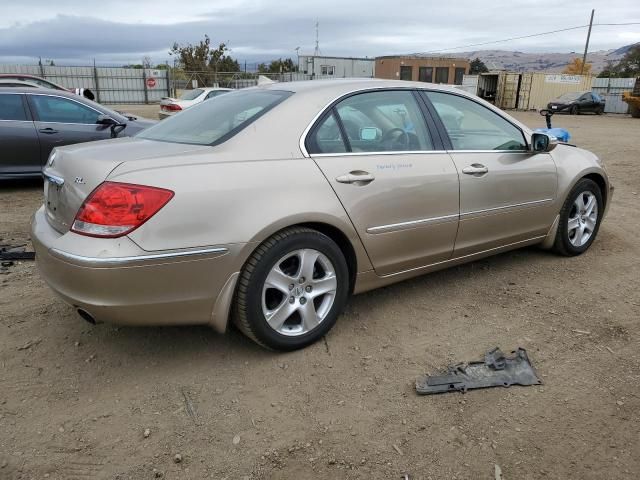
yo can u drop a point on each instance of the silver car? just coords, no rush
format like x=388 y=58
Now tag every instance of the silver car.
x=271 y=205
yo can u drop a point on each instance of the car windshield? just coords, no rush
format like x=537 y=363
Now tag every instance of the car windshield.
x=216 y=120
x=569 y=97
x=191 y=94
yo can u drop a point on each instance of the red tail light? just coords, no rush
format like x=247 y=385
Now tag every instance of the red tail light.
x=171 y=107
x=115 y=209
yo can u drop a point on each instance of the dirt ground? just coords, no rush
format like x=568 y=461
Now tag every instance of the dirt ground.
x=75 y=400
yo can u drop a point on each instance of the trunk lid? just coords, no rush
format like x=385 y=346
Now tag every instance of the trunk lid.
x=77 y=170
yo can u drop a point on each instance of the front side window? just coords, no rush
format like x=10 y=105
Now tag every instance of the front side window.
x=12 y=108
x=62 y=110
x=211 y=123
x=471 y=126
x=382 y=121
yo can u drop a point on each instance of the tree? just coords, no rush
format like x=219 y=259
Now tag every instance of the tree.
x=477 y=66
x=146 y=61
x=195 y=58
x=278 y=66
x=609 y=70
x=575 y=67
x=629 y=65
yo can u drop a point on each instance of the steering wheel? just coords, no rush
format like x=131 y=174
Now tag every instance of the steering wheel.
x=396 y=139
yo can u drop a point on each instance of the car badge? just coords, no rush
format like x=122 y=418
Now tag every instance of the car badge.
x=79 y=180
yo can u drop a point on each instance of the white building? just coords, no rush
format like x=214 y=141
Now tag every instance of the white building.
x=338 y=67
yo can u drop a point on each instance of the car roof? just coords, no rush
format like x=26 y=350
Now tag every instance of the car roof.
x=40 y=91
x=209 y=89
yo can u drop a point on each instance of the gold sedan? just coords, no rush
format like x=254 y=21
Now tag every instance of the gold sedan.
x=271 y=205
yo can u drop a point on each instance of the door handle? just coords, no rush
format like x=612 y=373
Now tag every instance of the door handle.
x=48 y=130
x=357 y=177
x=475 y=169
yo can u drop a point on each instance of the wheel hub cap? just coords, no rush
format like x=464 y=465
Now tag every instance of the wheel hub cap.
x=583 y=219
x=299 y=292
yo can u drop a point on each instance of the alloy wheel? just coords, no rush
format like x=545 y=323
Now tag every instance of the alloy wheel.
x=299 y=292
x=583 y=219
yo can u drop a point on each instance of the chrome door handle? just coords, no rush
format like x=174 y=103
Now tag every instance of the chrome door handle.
x=357 y=177
x=475 y=169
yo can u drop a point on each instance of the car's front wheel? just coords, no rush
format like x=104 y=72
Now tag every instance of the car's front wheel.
x=574 y=110
x=292 y=289
x=579 y=219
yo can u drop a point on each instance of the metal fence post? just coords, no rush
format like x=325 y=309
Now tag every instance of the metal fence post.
x=95 y=80
x=144 y=84
x=168 y=73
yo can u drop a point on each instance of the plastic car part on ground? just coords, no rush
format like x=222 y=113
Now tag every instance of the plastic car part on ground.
x=496 y=370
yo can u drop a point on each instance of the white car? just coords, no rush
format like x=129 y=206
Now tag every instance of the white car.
x=171 y=106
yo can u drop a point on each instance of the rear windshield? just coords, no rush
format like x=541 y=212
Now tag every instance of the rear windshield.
x=216 y=120
x=191 y=94
x=569 y=97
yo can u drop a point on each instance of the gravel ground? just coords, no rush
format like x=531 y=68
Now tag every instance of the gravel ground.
x=78 y=401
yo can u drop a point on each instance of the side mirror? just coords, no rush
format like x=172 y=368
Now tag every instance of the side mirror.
x=105 y=120
x=369 y=134
x=541 y=142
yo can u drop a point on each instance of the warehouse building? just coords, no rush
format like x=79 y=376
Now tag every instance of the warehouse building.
x=337 y=67
x=422 y=69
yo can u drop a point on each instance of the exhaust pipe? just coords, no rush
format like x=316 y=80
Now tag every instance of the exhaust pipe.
x=86 y=316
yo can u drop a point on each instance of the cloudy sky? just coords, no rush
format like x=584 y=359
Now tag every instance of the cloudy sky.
x=123 y=31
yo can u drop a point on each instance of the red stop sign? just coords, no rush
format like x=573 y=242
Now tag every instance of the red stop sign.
x=151 y=82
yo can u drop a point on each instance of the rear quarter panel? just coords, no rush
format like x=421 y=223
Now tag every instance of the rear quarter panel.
x=238 y=202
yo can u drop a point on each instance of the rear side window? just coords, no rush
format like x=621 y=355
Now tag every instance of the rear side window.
x=12 y=107
x=216 y=120
x=326 y=137
x=215 y=93
x=472 y=126
x=63 y=110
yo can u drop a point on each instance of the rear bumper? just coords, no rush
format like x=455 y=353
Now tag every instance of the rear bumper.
x=124 y=284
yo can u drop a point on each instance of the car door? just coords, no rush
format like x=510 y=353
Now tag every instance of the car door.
x=20 y=152
x=506 y=190
x=586 y=103
x=63 y=121
x=398 y=186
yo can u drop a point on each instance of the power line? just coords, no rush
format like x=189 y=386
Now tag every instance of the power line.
x=529 y=36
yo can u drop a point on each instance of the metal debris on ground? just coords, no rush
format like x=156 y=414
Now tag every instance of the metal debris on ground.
x=9 y=252
x=496 y=370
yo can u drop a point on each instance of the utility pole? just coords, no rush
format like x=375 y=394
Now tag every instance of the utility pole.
x=297 y=49
x=316 y=52
x=586 y=45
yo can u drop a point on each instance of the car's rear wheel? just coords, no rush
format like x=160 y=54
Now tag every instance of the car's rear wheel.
x=599 y=110
x=574 y=110
x=292 y=289
x=579 y=219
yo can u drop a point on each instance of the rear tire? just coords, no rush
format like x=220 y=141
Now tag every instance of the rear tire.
x=579 y=219
x=292 y=289
x=599 y=111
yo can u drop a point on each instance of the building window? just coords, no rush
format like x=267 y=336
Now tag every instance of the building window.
x=327 y=69
x=459 y=75
x=425 y=74
x=406 y=73
x=442 y=74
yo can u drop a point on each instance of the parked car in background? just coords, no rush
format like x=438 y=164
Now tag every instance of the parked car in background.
x=35 y=120
x=578 y=102
x=19 y=79
x=171 y=106
x=263 y=207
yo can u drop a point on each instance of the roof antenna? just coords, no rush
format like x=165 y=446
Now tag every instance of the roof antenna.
x=316 y=52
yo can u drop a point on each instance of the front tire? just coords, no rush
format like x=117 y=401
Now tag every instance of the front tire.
x=292 y=289
x=579 y=219
x=574 y=110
